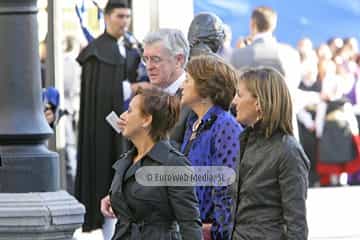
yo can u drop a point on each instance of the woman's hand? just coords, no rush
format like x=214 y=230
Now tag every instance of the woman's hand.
x=206 y=231
x=105 y=207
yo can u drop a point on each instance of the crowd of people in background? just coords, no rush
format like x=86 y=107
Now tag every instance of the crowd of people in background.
x=330 y=128
x=331 y=69
x=236 y=103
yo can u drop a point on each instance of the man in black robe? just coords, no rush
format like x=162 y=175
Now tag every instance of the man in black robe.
x=109 y=67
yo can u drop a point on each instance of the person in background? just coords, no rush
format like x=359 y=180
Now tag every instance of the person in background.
x=306 y=116
x=105 y=82
x=273 y=170
x=211 y=137
x=151 y=212
x=43 y=56
x=72 y=72
x=335 y=43
x=51 y=101
x=265 y=50
x=335 y=125
x=305 y=48
x=324 y=52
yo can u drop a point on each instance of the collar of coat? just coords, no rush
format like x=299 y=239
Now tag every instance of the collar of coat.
x=160 y=153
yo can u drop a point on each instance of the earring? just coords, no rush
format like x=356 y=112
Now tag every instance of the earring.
x=145 y=126
x=259 y=115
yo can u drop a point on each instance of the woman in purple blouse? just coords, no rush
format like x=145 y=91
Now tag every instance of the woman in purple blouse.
x=212 y=137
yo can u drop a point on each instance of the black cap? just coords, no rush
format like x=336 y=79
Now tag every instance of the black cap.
x=125 y=2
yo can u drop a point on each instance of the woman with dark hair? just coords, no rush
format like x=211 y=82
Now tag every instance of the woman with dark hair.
x=212 y=137
x=151 y=212
x=273 y=170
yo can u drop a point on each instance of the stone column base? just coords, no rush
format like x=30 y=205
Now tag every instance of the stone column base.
x=39 y=216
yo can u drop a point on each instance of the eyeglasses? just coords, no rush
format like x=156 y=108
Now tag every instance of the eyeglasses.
x=153 y=59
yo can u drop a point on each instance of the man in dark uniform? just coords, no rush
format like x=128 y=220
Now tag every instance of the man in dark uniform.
x=108 y=69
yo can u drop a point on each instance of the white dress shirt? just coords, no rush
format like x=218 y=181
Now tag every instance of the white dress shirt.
x=175 y=85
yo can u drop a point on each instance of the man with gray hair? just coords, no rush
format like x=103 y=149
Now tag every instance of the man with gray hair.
x=165 y=55
x=166 y=52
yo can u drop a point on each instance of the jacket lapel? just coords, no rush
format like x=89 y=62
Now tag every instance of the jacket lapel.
x=131 y=171
x=120 y=167
x=159 y=153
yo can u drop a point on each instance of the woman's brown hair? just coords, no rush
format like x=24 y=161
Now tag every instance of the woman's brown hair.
x=213 y=78
x=163 y=108
x=269 y=87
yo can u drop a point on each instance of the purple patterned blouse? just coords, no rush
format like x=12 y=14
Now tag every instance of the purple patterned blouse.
x=216 y=144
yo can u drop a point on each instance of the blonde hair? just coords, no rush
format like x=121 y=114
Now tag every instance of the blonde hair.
x=269 y=87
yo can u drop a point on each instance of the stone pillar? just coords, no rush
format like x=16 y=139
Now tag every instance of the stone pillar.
x=26 y=165
x=39 y=216
x=31 y=205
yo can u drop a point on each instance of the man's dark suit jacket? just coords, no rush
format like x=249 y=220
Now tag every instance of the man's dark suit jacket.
x=177 y=133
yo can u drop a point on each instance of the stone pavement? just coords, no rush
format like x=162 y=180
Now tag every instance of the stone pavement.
x=332 y=214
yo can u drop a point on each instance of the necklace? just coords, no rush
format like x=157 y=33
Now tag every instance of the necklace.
x=196 y=125
x=194 y=129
